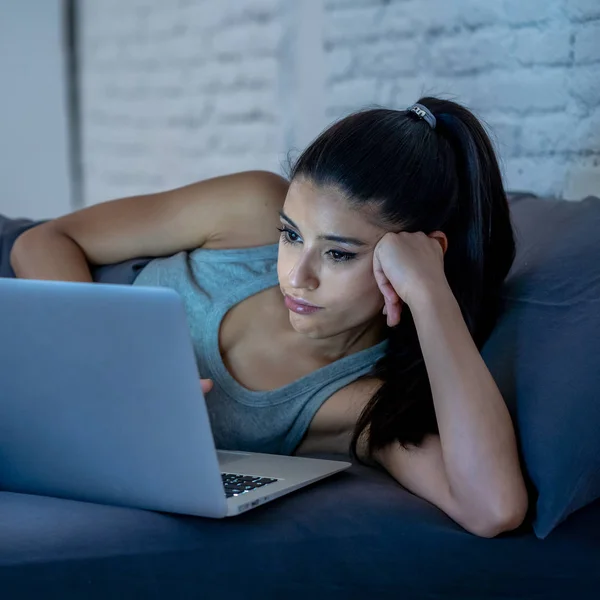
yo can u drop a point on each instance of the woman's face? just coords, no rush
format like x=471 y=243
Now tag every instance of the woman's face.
x=326 y=259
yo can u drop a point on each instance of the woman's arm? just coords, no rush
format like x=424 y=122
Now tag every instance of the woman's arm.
x=234 y=210
x=471 y=470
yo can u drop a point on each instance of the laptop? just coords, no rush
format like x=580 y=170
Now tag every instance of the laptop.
x=100 y=401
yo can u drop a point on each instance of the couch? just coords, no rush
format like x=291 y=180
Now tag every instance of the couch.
x=359 y=534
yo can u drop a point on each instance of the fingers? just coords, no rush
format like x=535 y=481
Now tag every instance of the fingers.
x=206 y=385
x=393 y=317
x=387 y=290
x=392 y=310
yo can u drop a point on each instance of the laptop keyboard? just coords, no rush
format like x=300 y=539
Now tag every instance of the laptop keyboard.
x=236 y=484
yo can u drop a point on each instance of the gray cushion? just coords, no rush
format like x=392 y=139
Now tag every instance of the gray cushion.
x=544 y=352
x=10 y=229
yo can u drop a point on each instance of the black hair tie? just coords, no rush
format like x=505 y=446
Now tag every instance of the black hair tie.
x=423 y=113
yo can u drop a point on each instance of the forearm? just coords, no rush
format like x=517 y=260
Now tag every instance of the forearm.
x=43 y=253
x=476 y=433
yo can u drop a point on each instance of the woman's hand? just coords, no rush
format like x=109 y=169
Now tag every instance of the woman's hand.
x=406 y=264
x=206 y=385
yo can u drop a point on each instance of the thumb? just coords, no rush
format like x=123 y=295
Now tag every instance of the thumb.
x=206 y=385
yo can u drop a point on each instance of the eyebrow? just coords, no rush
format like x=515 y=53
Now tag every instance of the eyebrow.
x=329 y=236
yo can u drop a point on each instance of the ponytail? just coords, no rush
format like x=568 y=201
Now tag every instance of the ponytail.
x=485 y=243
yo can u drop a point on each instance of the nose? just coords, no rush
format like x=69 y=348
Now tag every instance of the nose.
x=303 y=274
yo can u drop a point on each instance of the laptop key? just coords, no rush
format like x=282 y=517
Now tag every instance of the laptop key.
x=236 y=484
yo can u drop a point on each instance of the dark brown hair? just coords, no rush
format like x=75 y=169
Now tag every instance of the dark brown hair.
x=421 y=179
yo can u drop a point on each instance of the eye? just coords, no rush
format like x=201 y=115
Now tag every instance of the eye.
x=288 y=236
x=338 y=256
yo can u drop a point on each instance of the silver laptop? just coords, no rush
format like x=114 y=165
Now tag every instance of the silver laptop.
x=100 y=401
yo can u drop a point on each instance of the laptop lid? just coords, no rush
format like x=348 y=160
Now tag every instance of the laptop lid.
x=100 y=398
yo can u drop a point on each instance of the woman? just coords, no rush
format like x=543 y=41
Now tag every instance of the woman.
x=343 y=309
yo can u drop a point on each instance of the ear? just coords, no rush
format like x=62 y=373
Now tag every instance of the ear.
x=440 y=236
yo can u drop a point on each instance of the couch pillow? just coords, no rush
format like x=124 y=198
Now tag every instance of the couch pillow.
x=544 y=352
x=10 y=230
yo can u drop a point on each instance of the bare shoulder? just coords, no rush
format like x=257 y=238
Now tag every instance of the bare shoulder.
x=248 y=210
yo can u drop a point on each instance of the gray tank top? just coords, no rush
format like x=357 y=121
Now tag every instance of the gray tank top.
x=210 y=282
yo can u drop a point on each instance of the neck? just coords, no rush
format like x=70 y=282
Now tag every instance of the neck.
x=329 y=349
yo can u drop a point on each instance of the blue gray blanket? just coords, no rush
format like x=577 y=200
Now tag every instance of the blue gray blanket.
x=120 y=273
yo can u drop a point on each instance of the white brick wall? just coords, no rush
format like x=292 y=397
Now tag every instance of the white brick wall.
x=178 y=90
x=175 y=91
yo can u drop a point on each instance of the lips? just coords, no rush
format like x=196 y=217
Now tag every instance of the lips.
x=301 y=307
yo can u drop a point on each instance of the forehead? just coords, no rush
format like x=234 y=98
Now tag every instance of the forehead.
x=326 y=210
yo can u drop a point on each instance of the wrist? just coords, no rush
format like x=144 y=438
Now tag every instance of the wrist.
x=429 y=298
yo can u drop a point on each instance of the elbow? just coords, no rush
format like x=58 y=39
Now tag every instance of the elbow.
x=494 y=528
x=19 y=248
x=501 y=516
x=28 y=244
x=510 y=518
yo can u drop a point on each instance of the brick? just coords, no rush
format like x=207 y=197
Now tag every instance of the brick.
x=192 y=48
x=408 y=90
x=248 y=40
x=200 y=20
x=256 y=11
x=253 y=105
x=339 y=63
x=401 y=20
x=587 y=43
x=582 y=178
x=253 y=74
x=156 y=23
x=505 y=134
x=129 y=49
x=101 y=50
x=586 y=134
x=477 y=14
x=215 y=164
x=547 y=134
x=135 y=165
x=521 y=92
x=343 y=4
x=350 y=95
x=385 y=92
x=387 y=59
x=373 y=22
x=542 y=175
x=352 y=26
x=474 y=53
x=542 y=47
x=129 y=149
x=129 y=181
x=582 y=10
x=584 y=86
x=189 y=117
x=521 y=12
x=248 y=137
x=439 y=16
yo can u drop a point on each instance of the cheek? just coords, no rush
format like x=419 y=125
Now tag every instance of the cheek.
x=284 y=263
x=357 y=290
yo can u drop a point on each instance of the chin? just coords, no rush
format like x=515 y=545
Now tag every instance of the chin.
x=305 y=324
